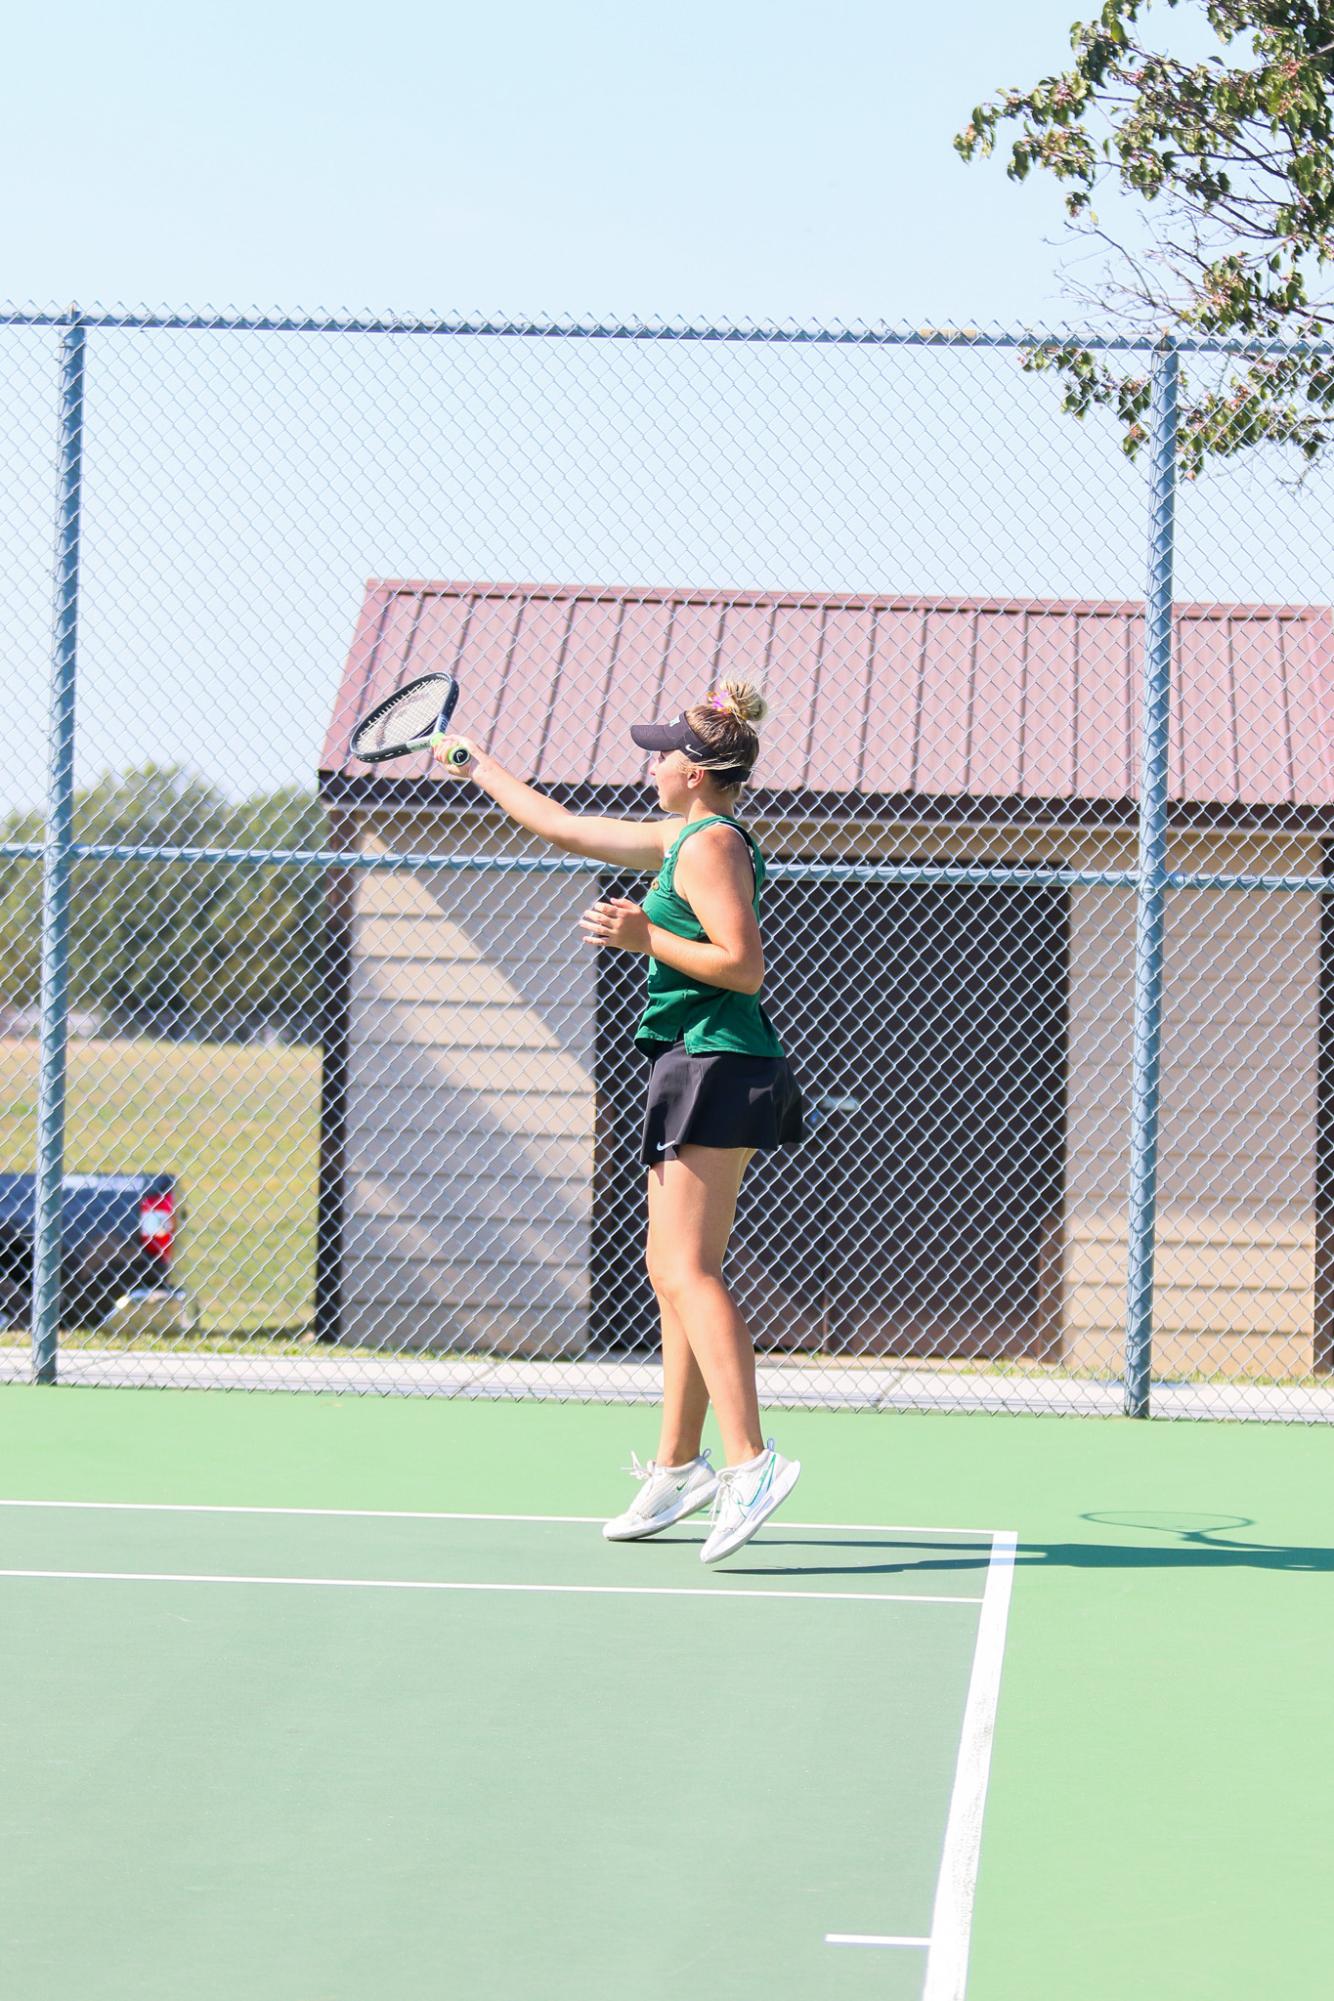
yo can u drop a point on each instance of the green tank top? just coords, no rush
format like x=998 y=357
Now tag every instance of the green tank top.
x=684 y=1009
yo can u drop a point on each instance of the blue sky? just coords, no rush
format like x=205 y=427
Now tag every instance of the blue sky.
x=730 y=161
x=731 y=158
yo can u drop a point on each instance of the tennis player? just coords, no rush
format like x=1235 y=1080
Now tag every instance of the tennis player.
x=719 y=1088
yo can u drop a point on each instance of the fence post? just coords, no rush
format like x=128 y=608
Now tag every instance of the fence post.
x=1151 y=893
x=56 y=868
x=336 y=992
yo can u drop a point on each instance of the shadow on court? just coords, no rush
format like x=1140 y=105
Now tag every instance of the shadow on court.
x=896 y=1555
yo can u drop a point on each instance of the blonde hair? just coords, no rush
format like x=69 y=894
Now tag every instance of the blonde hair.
x=725 y=721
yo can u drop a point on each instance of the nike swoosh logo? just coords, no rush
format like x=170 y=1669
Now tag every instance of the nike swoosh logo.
x=663 y=1145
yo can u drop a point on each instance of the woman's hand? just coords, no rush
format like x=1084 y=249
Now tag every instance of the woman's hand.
x=616 y=922
x=441 y=753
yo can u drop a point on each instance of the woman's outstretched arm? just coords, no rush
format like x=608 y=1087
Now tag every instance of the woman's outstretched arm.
x=625 y=843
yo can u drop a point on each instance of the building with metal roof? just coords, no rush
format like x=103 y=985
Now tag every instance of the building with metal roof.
x=966 y=1045
x=893 y=697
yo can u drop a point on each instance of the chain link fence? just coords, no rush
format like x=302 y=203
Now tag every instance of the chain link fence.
x=306 y=1075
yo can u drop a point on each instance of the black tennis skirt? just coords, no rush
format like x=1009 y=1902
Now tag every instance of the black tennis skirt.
x=719 y=1099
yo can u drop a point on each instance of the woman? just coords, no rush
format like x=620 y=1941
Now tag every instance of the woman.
x=719 y=1088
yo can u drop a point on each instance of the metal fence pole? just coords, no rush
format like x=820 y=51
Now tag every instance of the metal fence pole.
x=1151 y=891
x=56 y=869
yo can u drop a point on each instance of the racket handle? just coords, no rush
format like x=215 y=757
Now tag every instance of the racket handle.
x=458 y=755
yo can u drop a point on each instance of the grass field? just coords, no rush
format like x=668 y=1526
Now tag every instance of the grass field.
x=238 y=1126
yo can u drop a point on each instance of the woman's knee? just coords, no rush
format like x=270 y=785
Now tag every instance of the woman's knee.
x=671 y=1275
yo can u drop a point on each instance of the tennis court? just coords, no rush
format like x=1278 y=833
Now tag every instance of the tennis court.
x=322 y=1698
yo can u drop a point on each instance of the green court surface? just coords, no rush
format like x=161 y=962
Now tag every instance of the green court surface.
x=353 y=1701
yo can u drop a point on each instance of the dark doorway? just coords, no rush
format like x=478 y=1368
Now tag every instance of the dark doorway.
x=927 y=1023
x=1323 y=1360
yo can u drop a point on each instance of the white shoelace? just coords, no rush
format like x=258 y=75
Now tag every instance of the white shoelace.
x=726 y=1492
x=652 y=1471
x=724 y=1495
x=639 y=1471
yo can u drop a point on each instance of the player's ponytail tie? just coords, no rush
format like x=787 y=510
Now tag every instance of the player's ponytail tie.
x=740 y=700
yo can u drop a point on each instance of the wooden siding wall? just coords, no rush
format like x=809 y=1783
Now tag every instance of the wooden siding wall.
x=471 y=1102
x=470 y=1112
x=1235 y=1263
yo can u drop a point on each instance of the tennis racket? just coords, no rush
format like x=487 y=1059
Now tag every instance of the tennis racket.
x=415 y=717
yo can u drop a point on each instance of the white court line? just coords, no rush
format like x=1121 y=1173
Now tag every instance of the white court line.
x=436 y=1515
x=947 y=1947
x=443 y=1584
x=869 y=1938
x=956 y=1885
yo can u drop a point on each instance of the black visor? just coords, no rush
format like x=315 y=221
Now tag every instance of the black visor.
x=675 y=735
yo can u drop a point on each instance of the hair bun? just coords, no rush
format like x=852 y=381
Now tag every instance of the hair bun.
x=741 y=699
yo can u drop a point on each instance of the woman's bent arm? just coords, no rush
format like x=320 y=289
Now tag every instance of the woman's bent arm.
x=716 y=876
x=716 y=965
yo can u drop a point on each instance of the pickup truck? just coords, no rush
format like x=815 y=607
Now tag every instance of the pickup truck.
x=120 y=1234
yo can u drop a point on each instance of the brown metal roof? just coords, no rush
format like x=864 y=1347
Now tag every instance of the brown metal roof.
x=879 y=695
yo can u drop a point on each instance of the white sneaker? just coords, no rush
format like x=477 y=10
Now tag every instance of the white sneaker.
x=666 y=1495
x=747 y=1495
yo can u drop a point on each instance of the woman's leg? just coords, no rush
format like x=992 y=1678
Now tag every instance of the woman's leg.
x=692 y=1205
x=685 y=1396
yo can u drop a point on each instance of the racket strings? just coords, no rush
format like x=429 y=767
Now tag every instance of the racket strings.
x=410 y=715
